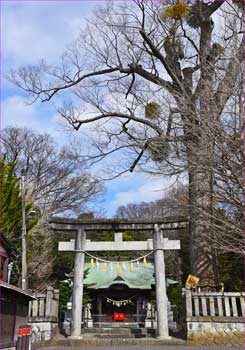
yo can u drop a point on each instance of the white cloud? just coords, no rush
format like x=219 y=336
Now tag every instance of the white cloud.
x=15 y=112
x=33 y=30
x=153 y=188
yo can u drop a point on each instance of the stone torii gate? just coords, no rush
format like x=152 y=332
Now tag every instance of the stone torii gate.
x=158 y=244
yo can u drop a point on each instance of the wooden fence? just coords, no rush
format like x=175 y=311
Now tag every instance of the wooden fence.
x=215 y=318
x=223 y=304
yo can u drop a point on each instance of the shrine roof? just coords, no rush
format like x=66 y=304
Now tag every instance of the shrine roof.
x=140 y=278
x=23 y=293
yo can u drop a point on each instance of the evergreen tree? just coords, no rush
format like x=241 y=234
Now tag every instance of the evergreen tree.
x=10 y=203
x=11 y=211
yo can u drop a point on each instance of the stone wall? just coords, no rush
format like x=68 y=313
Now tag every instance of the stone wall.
x=44 y=315
x=215 y=318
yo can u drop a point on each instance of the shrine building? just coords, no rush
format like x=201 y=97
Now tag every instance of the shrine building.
x=130 y=292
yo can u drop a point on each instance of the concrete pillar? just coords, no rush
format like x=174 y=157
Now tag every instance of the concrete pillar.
x=55 y=304
x=34 y=308
x=77 y=294
x=188 y=302
x=160 y=280
x=30 y=309
x=41 y=298
x=49 y=300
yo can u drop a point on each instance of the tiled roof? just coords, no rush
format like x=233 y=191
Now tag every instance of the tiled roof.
x=25 y=293
x=140 y=278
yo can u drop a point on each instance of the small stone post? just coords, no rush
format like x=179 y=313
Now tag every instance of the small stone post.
x=34 y=308
x=55 y=304
x=161 y=296
x=41 y=298
x=77 y=295
x=49 y=301
x=188 y=302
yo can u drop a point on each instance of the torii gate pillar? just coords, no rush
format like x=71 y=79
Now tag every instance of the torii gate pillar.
x=77 y=293
x=160 y=281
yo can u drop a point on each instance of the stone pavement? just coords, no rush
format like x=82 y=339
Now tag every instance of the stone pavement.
x=123 y=343
x=150 y=347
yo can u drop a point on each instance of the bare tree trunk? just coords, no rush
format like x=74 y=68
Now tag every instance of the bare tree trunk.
x=201 y=204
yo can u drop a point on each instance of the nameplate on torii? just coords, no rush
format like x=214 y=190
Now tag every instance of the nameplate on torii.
x=119 y=245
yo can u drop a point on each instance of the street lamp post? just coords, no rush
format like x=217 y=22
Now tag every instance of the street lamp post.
x=23 y=235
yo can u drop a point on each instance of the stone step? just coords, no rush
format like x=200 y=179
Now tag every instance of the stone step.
x=69 y=343
x=107 y=330
x=146 y=331
x=137 y=332
x=116 y=325
x=109 y=335
x=118 y=332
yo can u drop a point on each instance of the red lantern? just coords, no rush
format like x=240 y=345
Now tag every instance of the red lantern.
x=118 y=316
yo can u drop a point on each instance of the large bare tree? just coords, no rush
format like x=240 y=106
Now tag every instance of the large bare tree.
x=153 y=78
x=56 y=180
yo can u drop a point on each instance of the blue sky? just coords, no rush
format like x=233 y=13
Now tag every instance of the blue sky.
x=30 y=31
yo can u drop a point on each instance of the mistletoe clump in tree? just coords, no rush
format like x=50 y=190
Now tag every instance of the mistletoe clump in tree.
x=180 y=57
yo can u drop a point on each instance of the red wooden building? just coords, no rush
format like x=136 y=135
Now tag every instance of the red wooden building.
x=14 y=301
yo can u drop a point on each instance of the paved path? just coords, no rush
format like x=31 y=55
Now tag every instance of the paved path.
x=150 y=347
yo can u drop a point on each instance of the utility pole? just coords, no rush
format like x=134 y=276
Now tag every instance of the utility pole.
x=23 y=235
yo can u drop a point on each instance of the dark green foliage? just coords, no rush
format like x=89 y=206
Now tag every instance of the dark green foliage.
x=109 y=237
x=10 y=209
x=175 y=297
x=11 y=213
x=65 y=293
x=10 y=204
x=105 y=236
x=185 y=254
x=63 y=264
x=231 y=271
